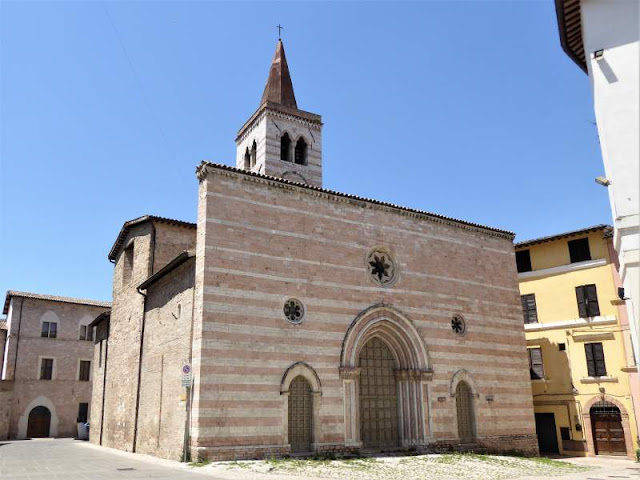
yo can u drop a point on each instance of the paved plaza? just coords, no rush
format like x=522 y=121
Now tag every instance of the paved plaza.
x=66 y=459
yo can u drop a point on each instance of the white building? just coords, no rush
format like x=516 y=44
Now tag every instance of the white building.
x=602 y=38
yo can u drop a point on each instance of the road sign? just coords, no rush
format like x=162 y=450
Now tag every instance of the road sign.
x=187 y=376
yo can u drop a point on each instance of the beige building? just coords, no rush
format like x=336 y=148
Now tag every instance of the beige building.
x=45 y=386
x=308 y=320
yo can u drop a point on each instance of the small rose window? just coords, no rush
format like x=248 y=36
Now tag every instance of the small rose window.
x=293 y=310
x=381 y=267
x=458 y=325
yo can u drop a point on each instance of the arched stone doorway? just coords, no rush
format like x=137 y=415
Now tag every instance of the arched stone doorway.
x=606 y=427
x=403 y=353
x=465 y=413
x=39 y=423
x=378 y=396
x=301 y=390
x=300 y=415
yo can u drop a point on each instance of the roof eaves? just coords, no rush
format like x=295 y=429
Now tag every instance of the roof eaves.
x=106 y=315
x=565 y=35
x=169 y=267
x=549 y=238
x=505 y=233
x=117 y=245
x=51 y=298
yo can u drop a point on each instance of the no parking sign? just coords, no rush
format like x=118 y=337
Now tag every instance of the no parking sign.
x=187 y=376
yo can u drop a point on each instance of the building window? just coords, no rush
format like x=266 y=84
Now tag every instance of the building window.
x=247 y=160
x=529 y=308
x=562 y=347
x=127 y=271
x=301 y=152
x=579 y=250
x=536 y=369
x=595 y=360
x=83 y=412
x=49 y=330
x=46 y=368
x=85 y=368
x=86 y=333
x=587 y=297
x=565 y=433
x=523 y=261
x=254 y=154
x=285 y=147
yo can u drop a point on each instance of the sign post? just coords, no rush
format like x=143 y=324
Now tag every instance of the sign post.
x=187 y=382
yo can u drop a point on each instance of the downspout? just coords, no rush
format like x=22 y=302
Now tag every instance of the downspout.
x=15 y=362
x=144 y=311
x=104 y=378
x=135 y=422
x=186 y=457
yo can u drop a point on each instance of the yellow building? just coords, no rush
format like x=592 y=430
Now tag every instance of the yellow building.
x=579 y=346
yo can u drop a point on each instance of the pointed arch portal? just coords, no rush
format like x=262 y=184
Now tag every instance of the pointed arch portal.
x=384 y=347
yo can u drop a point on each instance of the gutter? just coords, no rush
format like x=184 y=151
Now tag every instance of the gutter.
x=104 y=379
x=137 y=411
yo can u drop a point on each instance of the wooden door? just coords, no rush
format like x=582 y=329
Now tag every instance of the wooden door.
x=608 y=434
x=465 y=413
x=300 y=415
x=378 y=396
x=547 y=434
x=39 y=422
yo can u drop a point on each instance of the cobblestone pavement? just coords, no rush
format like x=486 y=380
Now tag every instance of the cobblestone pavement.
x=66 y=459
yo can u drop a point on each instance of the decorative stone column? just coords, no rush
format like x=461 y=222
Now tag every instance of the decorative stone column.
x=351 y=384
x=413 y=417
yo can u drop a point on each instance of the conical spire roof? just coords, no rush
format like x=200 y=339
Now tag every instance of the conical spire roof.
x=279 y=88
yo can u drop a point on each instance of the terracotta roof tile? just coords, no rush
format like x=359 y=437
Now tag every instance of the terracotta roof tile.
x=53 y=298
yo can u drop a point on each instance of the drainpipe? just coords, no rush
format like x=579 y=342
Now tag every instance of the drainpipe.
x=104 y=378
x=15 y=361
x=135 y=422
x=186 y=449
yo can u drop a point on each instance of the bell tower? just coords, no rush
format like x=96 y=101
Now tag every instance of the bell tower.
x=279 y=139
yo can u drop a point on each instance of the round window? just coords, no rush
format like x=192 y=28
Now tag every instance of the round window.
x=457 y=324
x=381 y=267
x=293 y=310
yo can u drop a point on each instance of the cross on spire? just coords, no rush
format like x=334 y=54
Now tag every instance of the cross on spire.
x=279 y=27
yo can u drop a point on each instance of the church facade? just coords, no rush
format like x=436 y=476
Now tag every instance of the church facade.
x=313 y=321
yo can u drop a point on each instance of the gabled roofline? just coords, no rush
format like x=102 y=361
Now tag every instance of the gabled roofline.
x=570 y=30
x=52 y=298
x=606 y=228
x=201 y=172
x=128 y=225
x=169 y=267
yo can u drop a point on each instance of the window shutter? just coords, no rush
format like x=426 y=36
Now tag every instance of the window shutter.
x=535 y=363
x=591 y=364
x=582 y=302
x=591 y=294
x=598 y=357
x=53 y=330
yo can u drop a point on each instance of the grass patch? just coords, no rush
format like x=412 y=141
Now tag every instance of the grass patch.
x=200 y=463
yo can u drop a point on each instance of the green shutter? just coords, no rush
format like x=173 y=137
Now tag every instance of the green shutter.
x=598 y=357
x=582 y=302
x=591 y=364
x=591 y=294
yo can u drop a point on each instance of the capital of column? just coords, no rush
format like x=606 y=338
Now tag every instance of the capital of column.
x=349 y=373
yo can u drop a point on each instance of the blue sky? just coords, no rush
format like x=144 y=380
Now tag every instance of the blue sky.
x=467 y=109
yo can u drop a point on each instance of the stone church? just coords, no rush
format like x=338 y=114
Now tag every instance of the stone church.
x=313 y=321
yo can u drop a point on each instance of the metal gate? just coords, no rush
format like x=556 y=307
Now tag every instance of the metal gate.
x=39 y=422
x=378 y=396
x=300 y=415
x=464 y=409
x=608 y=434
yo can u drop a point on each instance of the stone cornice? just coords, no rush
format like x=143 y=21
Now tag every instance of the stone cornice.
x=205 y=168
x=307 y=119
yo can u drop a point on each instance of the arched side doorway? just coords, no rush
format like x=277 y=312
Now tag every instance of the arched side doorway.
x=300 y=415
x=395 y=337
x=39 y=422
x=301 y=390
x=378 y=396
x=465 y=413
x=606 y=427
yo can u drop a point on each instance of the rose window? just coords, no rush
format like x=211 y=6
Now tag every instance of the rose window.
x=293 y=310
x=381 y=267
x=457 y=325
